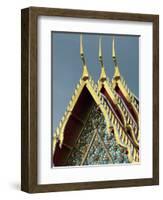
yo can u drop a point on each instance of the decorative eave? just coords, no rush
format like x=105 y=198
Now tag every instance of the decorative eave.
x=132 y=97
x=115 y=98
x=126 y=93
x=93 y=90
x=119 y=81
x=128 y=119
x=107 y=86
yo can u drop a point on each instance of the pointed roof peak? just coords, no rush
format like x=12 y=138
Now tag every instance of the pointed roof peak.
x=116 y=71
x=103 y=73
x=85 y=74
x=113 y=51
x=100 y=52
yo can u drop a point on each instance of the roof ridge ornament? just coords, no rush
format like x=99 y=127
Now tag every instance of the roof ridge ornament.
x=116 y=72
x=103 y=73
x=85 y=74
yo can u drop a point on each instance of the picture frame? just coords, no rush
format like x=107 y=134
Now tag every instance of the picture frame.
x=29 y=99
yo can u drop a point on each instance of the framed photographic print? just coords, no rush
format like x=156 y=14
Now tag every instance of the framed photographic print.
x=90 y=99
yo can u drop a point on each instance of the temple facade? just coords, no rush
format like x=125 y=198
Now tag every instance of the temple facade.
x=101 y=122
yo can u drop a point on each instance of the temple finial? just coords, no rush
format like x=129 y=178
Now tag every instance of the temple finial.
x=85 y=70
x=100 y=53
x=81 y=49
x=116 y=72
x=103 y=73
x=113 y=52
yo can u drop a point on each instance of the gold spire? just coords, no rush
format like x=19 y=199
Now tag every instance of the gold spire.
x=103 y=73
x=113 y=52
x=116 y=72
x=100 y=53
x=85 y=74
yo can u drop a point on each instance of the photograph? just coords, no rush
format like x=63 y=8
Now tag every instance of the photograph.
x=95 y=99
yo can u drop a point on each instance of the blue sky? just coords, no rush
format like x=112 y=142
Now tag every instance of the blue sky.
x=67 y=65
